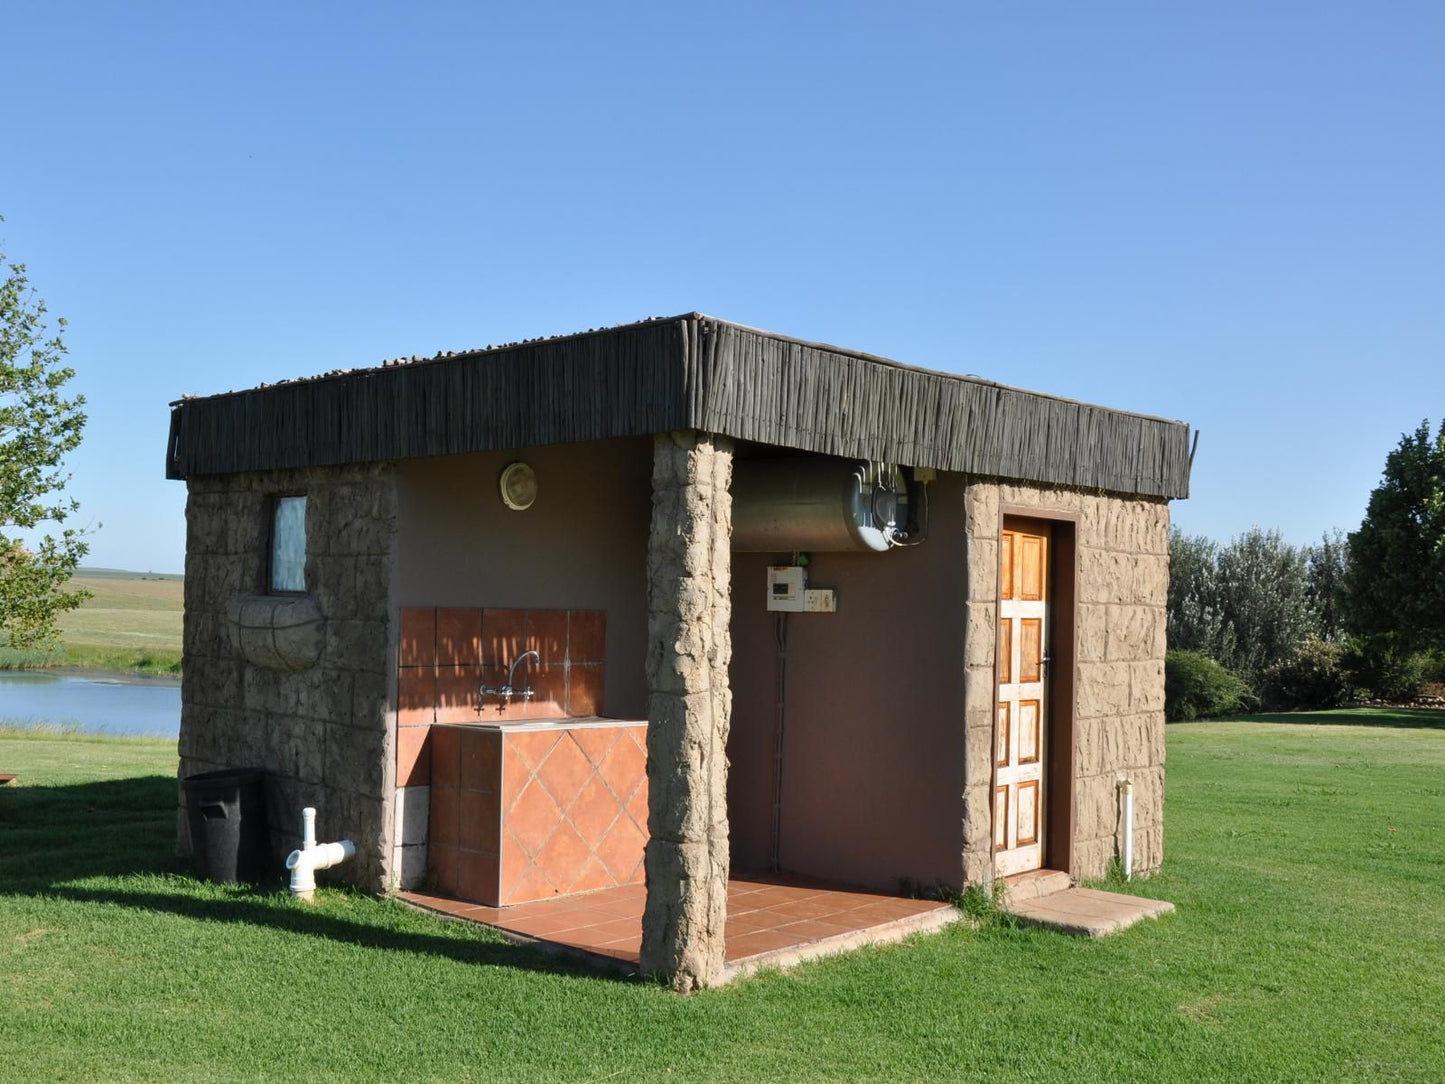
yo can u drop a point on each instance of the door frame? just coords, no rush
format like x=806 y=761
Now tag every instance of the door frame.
x=1061 y=679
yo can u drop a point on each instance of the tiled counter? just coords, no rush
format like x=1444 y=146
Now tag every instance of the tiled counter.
x=531 y=810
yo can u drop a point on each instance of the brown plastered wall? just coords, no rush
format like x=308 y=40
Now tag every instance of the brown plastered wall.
x=323 y=734
x=1121 y=592
x=582 y=546
x=873 y=753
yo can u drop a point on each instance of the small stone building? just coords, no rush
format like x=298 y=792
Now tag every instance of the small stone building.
x=651 y=603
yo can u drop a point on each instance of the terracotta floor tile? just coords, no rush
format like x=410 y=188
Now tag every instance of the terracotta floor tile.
x=814 y=930
x=631 y=946
x=625 y=953
x=763 y=916
x=852 y=919
x=559 y=905
x=892 y=910
x=737 y=925
x=490 y=915
x=734 y=911
x=583 y=939
x=748 y=901
x=754 y=920
x=813 y=907
x=449 y=906
x=744 y=884
x=751 y=944
x=848 y=901
x=540 y=925
x=622 y=908
x=581 y=918
x=616 y=929
x=773 y=897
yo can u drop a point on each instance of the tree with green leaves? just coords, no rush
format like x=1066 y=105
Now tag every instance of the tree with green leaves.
x=1263 y=594
x=1327 y=564
x=39 y=425
x=1244 y=604
x=1195 y=622
x=1394 y=597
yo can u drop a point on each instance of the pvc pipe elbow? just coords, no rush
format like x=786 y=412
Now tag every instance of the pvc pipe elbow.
x=304 y=862
x=327 y=855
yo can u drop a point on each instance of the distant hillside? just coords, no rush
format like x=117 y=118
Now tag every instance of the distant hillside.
x=126 y=610
x=120 y=573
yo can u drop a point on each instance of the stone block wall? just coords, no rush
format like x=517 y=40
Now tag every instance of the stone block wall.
x=1121 y=592
x=324 y=733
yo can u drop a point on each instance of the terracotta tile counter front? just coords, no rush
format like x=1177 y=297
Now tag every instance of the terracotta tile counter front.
x=531 y=810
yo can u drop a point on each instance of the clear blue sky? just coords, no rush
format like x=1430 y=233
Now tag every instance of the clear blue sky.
x=1225 y=213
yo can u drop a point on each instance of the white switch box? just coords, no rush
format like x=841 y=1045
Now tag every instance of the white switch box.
x=821 y=600
x=786 y=586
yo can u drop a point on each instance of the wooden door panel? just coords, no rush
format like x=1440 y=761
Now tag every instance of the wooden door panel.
x=1001 y=736
x=1019 y=736
x=1006 y=566
x=1030 y=735
x=1028 y=812
x=1031 y=648
x=1033 y=566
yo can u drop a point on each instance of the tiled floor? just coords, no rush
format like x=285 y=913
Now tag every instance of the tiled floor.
x=772 y=919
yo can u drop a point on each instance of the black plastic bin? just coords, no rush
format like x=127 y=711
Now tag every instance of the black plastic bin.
x=226 y=811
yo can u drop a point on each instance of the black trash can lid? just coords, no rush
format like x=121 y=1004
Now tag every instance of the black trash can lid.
x=225 y=777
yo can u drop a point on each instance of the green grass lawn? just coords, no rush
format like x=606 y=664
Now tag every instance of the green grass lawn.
x=1306 y=855
x=131 y=622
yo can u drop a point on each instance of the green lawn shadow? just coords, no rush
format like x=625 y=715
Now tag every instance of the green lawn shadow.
x=1406 y=718
x=54 y=836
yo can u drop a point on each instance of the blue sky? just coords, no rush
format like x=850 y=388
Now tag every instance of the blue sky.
x=1225 y=213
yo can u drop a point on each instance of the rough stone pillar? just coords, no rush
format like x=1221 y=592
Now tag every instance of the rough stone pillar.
x=980 y=680
x=689 y=705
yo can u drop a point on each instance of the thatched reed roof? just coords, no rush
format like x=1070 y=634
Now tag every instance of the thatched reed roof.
x=684 y=372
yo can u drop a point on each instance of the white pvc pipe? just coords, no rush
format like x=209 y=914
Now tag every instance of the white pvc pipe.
x=1127 y=789
x=312 y=856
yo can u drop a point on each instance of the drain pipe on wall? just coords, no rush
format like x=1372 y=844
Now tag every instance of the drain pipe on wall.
x=312 y=856
x=776 y=842
x=1126 y=794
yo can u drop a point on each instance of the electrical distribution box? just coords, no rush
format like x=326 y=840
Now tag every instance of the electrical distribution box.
x=787 y=585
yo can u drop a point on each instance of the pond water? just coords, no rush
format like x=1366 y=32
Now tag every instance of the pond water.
x=92 y=703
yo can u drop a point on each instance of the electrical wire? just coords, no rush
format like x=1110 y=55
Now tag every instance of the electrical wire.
x=923 y=523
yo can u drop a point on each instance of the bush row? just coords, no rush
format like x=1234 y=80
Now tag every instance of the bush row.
x=1316 y=676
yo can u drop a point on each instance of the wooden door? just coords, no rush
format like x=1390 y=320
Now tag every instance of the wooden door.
x=1020 y=731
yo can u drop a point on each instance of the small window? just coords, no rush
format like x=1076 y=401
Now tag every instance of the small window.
x=288 y=545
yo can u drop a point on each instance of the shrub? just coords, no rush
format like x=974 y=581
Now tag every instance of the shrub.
x=1383 y=667
x=1434 y=667
x=1197 y=687
x=1312 y=678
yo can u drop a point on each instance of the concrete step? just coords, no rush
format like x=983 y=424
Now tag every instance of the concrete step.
x=1088 y=912
x=1032 y=886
